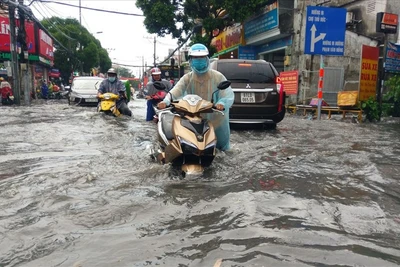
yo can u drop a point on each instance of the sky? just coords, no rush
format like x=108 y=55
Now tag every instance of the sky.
x=124 y=36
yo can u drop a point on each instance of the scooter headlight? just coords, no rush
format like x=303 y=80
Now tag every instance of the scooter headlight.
x=107 y=96
x=211 y=144
x=183 y=141
x=188 y=148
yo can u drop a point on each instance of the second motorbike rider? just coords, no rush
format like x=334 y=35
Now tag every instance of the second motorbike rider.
x=112 y=84
x=203 y=81
x=150 y=91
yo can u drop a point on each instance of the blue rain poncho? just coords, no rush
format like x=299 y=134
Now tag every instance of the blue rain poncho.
x=204 y=85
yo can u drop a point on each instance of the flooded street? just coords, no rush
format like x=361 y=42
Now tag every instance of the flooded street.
x=79 y=189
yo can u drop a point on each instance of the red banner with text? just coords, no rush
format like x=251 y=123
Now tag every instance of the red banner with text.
x=290 y=81
x=45 y=45
x=5 y=35
x=368 y=72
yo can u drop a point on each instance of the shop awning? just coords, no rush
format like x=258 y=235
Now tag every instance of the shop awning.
x=226 y=51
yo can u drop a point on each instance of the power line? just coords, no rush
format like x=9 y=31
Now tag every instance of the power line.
x=90 y=8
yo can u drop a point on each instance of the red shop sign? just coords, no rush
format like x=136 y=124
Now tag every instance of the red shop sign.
x=45 y=45
x=5 y=35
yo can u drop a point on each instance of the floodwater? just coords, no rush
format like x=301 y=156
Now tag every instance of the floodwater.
x=79 y=189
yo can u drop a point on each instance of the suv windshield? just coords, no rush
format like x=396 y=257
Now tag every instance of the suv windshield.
x=247 y=72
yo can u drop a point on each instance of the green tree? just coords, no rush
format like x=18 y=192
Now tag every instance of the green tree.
x=79 y=49
x=179 y=18
x=124 y=72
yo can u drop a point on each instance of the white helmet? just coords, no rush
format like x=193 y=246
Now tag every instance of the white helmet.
x=155 y=71
x=198 y=50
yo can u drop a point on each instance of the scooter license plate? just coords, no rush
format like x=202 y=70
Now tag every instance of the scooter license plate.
x=247 y=98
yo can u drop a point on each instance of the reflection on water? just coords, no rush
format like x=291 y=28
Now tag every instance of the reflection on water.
x=79 y=189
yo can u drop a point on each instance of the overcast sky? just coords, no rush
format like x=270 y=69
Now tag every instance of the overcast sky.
x=116 y=29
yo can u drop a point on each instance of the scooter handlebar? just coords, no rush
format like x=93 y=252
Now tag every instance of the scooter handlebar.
x=218 y=111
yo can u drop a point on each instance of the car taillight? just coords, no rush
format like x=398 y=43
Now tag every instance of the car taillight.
x=279 y=88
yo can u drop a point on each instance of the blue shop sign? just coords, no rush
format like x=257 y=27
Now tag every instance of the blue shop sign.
x=247 y=52
x=392 y=59
x=261 y=24
x=275 y=45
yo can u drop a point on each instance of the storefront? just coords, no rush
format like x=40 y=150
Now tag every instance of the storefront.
x=275 y=52
x=264 y=38
x=5 y=55
x=35 y=65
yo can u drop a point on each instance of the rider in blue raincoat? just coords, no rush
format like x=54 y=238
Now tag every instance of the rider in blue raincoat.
x=203 y=81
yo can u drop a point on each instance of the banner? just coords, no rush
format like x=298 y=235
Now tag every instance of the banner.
x=45 y=46
x=392 y=60
x=262 y=23
x=368 y=72
x=290 y=81
x=231 y=37
x=5 y=35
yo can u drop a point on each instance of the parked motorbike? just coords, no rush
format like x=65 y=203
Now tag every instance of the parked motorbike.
x=185 y=138
x=140 y=94
x=108 y=104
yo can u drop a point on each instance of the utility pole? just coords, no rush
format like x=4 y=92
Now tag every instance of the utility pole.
x=382 y=76
x=142 y=76
x=80 y=12
x=14 y=57
x=154 y=63
x=25 y=82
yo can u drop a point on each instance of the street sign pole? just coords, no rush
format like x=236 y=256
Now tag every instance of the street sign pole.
x=325 y=36
x=320 y=85
x=382 y=76
x=14 y=56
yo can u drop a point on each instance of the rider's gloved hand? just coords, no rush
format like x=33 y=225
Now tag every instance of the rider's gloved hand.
x=161 y=105
x=219 y=106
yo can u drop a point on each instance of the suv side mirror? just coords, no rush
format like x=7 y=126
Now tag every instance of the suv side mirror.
x=223 y=85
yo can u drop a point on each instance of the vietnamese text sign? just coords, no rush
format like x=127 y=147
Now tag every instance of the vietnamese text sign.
x=290 y=81
x=262 y=23
x=231 y=37
x=280 y=43
x=368 y=72
x=387 y=22
x=5 y=35
x=45 y=46
x=392 y=60
x=325 y=31
x=247 y=52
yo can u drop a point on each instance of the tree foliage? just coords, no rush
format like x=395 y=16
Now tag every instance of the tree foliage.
x=80 y=50
x=180 y=17
x=124 y=72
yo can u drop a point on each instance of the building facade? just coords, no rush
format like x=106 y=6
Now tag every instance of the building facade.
x=35 y=64
x=278 y=35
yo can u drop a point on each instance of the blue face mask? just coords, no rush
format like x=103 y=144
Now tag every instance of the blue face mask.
x=111 y=79
x=200 y=65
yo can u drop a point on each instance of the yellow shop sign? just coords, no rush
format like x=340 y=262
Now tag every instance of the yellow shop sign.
x=232 y=36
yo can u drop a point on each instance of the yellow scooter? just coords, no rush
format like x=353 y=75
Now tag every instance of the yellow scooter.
x=108 y=104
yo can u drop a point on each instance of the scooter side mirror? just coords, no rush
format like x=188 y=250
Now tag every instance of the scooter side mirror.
x=159 y=85
x=223 y=85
